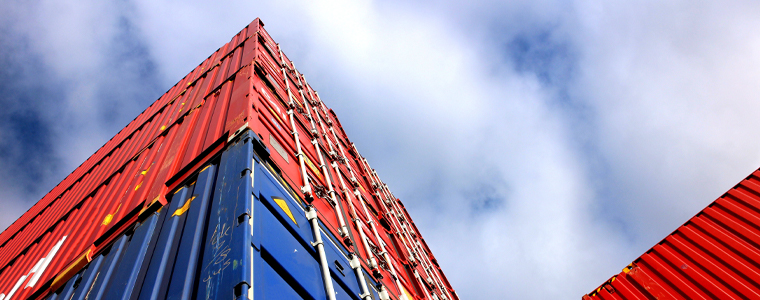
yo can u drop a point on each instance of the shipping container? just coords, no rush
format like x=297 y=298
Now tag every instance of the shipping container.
x=714 y=255
x=238 y=182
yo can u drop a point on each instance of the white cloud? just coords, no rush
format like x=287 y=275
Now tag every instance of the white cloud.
x=444 y=129
x=674 y=87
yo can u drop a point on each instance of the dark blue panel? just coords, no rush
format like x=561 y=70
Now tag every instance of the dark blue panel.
x=227 y=249
x=346 y=277
x=284 y=242
x=157 y=277
x=127 y=273
x=270 y=285
x=111 y=260
x=268 y=189
x=341 y=293
x=88 y=278
x=183 y=275
x=52 y=297
x=287 y=253
x=68 y=289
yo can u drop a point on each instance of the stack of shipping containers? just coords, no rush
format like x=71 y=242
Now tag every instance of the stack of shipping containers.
x=238 y=183
x=714 y=255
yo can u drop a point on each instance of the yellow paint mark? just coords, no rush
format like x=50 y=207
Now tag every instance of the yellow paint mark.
x=284 y=205
x=184 y=207
x=362 y=187
x=627 y=268
x=204 y=169
x=313 y=167
x=138 y=185
x=146 y=170
x=163 y=127
x=406 y=293
x=107 y=220
x=276 y=116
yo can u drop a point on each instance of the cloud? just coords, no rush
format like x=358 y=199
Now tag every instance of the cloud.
x=540 y=146
x=73 y=76
x=674 y=88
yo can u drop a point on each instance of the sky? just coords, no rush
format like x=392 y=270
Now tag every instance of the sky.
x=540 y=146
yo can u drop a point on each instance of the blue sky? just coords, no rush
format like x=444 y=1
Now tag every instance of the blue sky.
x=540 y=146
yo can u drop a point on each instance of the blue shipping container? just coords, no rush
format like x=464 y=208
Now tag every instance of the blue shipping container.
x=233 y=231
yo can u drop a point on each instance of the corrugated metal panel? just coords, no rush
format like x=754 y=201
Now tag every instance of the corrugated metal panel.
x=148 y=262
x=111 y=213
x=140 y=264
x=714 y=255
x=107 y=192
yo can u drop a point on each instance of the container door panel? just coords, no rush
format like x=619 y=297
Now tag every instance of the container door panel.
x=341 y=293
x=227 y=254
x=271 y=286
x=282 y=250
x=341 y=269
x=277 y=200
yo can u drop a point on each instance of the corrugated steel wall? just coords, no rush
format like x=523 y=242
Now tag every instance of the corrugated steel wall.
x=130 y=268
x=199 y=248
x=246 y=84
x=132 y=170
x=714 y=255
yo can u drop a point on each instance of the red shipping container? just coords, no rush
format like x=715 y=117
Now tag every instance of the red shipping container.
x=714 y=255
x=247 y=84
